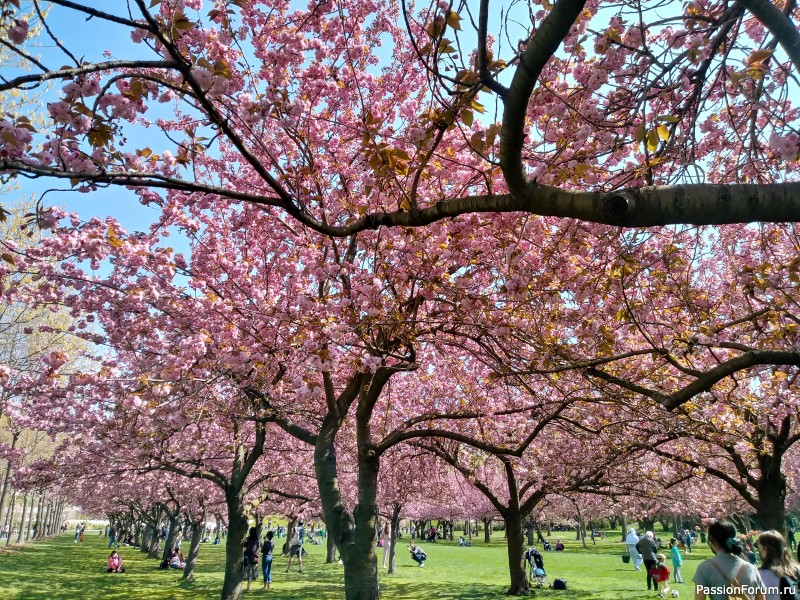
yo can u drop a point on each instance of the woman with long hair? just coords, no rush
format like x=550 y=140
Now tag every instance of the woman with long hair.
x=776 y=562
x=250 y=558
x=727 y=571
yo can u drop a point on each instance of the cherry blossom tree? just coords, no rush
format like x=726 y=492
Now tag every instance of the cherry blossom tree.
x=622 y=116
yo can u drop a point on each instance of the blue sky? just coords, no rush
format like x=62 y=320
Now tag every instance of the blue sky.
x=92 y=38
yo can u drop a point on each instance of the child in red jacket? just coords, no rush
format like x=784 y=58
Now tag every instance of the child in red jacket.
x=661 y=574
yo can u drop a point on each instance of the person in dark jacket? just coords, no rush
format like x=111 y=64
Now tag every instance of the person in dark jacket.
x=648 y=549
x=266 y=559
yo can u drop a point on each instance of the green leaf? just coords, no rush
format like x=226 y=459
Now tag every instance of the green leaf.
x=468 y=117
x=668 y=119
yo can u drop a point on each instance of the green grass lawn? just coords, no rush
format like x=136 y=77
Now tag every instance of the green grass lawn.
x=59 y=569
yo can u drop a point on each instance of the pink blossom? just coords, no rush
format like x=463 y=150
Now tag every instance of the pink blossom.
x=785 y=146
x=18 y=32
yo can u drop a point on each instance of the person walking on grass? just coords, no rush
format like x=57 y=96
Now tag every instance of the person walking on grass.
x=631 y=542
x=266 y=559
x=648 y=549
x=677 y=560
x=296 y=547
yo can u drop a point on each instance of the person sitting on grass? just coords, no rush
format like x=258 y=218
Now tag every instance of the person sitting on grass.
x=176 y=560
x=559 y=546
x=114 y=564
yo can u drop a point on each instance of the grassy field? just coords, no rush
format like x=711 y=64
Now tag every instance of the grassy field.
x=59 y=569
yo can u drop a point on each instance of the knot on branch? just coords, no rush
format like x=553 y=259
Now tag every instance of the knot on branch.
x=617 y=205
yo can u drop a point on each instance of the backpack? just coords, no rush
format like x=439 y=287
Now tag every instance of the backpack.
x=790 y=588
x=560 y=584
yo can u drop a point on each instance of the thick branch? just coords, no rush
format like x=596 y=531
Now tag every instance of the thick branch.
x=541 y=47
x=707 y=380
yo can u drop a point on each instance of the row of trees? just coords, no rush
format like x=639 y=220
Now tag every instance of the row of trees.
x=361 y=290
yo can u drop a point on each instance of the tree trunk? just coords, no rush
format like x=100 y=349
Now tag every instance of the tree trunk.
x=624 y=529
x=22 y=522
x=259 y=524
x=28 y=532
x=39 y=515
x=48 y=516
x=539 y=533
x=234 y=547
x=487 y=532
x=516 y=555
x=581 y=530
x=11 y=508
x=172 y=533
x=198 y=531
x=394 y=530
x=359 y=558
x=290 y=526
x=7 y=477
x=354 y=533
x=771 y=502
x=648 y=525
x=153 y=551
x=330 y=548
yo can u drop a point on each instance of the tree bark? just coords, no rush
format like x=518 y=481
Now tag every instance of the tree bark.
x=771 y=502
x=234 y=546
x=11 y=508
x=172 y=533
x=290 y=527
x=360 y=560
x=354 y=534
x=487 y=532
x=7 y=477
x=648 y=525
x=40 y=508
x=153 y=551
x=198 y=530
x=29 y=531
x=22 y=521
x=48 y=506
x=394 y=530
x=330 y=548
x=520 y=586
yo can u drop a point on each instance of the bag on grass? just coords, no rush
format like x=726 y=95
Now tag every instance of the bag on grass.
x=560 y=584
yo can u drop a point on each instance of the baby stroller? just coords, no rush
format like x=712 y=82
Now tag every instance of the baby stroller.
x=547 y=546
x=536 y=564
